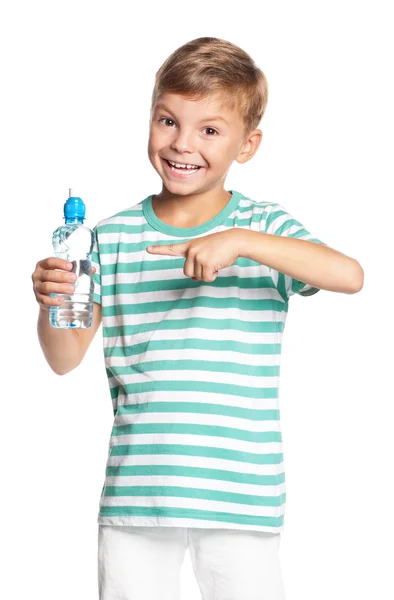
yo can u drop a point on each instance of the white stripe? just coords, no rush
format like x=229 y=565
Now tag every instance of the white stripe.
x=204 y=398
x=245 y=425
x=209 y=505
x=163 y=521
x=203 y=334
x=207 y=441
x=199 y=312
x=176 y=354
x=217 y=485
x=235 y=379
x=184 y=460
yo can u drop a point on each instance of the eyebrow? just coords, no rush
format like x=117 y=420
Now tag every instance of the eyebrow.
x=218 y=118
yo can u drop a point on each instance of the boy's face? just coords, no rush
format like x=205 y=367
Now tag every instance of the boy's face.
x=184 y=131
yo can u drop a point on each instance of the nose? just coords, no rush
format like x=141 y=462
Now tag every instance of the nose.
x=183 y=142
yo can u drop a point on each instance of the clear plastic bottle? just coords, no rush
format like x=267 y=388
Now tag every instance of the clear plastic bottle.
x=74 y=243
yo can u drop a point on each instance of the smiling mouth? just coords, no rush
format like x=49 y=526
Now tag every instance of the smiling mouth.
x=186 y=169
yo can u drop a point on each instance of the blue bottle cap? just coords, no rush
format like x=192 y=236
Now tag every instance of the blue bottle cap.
x=74 y=207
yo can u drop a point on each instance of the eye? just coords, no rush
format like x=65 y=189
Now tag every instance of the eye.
x=210 y=128
x=166 y=119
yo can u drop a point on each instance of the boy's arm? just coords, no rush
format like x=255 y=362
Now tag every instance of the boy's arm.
x=86 y=335
x=64 y=349
x=315 y=264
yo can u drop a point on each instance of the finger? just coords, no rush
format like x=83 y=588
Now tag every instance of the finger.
x=47 y=301
x=188 y=267
x=51 y=275
x=210 y=275
x=44 y=298
x=198 y=270
x=55 y=263
x=45 y=288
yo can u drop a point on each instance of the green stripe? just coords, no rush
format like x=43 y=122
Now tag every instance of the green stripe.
x=198 y=472
x=258 y=437
x=142 y=308
x=193 y=365
x=290 y=222
x=187 y=492
x=309 y=292
x=197 y=323
x=193 y=343
x=251 y=414
x=271 y=458
x=189 y=513
x=162 y=285
x=281 y=287
x=242 y=391
x=161 y=263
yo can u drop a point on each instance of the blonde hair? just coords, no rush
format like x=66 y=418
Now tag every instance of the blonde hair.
x=208 y=65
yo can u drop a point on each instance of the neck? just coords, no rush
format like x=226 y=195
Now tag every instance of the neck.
x=189 y=210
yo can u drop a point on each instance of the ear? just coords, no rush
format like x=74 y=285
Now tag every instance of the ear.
x=250 y=146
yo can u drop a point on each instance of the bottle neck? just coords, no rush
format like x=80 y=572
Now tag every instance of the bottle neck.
x=74 y=220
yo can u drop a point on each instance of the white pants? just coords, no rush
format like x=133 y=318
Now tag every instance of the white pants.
x=144 y=563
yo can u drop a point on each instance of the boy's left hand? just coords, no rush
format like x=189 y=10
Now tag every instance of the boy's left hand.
x=204 y=255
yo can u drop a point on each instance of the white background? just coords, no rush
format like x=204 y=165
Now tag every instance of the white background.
x=77 y=79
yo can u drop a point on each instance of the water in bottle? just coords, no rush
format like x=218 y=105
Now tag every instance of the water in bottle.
x=74 y=242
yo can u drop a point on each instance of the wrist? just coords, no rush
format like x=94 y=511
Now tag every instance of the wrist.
x=243 y=240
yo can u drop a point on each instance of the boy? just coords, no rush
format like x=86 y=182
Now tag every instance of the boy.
x=192 y=287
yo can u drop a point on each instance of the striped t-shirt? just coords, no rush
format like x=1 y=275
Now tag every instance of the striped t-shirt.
x=193 y=370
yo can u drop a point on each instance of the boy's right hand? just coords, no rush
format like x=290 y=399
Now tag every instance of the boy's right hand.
x=46 y=280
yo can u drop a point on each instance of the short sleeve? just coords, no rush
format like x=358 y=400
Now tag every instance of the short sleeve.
x=277 y=221
x=95 y=260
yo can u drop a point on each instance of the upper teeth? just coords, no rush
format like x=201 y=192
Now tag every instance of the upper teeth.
x=183 y=165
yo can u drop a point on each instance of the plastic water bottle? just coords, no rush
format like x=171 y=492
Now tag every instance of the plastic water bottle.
x=74 y=243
